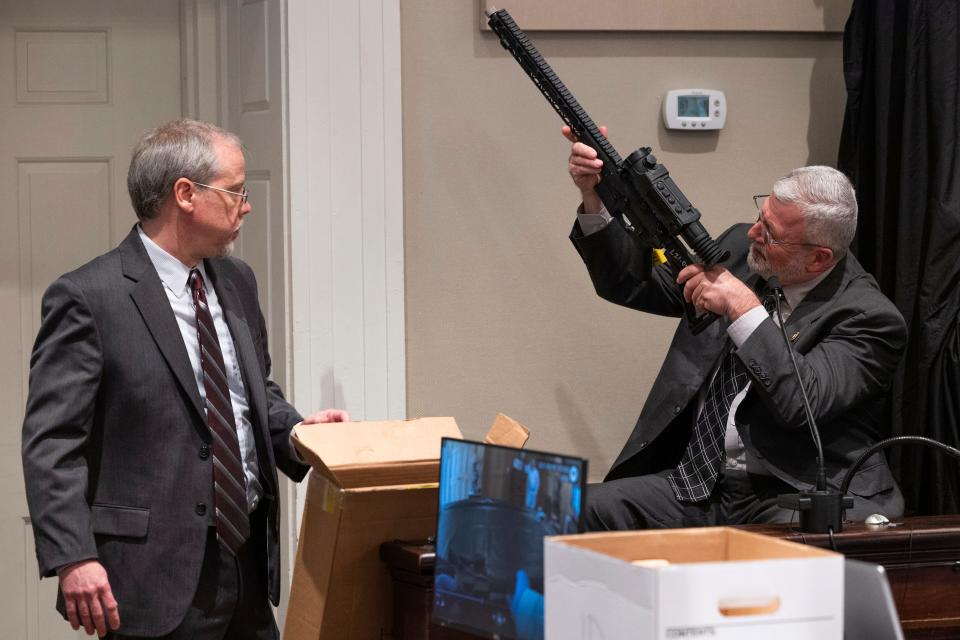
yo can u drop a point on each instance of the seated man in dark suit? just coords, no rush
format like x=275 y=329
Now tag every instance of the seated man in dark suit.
x=723 y=431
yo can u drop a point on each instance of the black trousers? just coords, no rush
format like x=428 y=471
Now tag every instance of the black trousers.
x=231 y=601
x=648 y=502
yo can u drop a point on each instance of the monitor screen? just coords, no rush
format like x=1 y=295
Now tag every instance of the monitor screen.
x=496 y=505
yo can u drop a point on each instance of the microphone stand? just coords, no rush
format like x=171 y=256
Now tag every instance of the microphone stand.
x=821 y=510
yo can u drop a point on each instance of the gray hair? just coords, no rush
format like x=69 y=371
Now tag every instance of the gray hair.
x=180 y=149
x=828 y=202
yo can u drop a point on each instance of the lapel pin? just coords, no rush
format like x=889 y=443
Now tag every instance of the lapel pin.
x=794 y=337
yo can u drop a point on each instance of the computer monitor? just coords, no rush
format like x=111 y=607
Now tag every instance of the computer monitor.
x=496 y=505
x=869 y=612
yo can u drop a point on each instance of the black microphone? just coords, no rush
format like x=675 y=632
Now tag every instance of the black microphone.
x=821 y=510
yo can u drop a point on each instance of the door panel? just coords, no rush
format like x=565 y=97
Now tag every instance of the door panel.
x=79 y=84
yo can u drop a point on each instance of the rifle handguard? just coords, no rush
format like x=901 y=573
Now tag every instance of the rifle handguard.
x=637 y=192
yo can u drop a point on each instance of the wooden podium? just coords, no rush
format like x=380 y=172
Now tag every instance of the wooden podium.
x=921 y=556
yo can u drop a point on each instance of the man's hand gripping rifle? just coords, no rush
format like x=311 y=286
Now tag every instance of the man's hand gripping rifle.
x=638 y=192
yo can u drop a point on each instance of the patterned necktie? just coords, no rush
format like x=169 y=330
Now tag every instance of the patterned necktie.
x=229 y=483
x=694 y=477
x=768 y=297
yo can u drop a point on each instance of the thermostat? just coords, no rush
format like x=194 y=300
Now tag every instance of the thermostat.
x=694 y=109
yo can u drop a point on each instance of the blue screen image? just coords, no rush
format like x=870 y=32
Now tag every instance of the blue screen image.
x=496 y=505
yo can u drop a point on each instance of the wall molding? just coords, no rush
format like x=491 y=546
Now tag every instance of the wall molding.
x=202 y=94
x=677 y=15
x=346 y=208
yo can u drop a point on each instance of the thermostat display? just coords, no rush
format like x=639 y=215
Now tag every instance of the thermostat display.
x=694 y=109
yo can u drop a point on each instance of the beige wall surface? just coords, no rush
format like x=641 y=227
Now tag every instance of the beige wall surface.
x=501 y=315
x=677 y=15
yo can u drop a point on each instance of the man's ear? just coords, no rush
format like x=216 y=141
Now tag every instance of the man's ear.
x=184 y=192
x=820 y=260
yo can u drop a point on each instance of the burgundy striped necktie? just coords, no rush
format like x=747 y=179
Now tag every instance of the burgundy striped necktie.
x=229 y=483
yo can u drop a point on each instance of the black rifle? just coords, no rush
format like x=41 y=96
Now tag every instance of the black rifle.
x=638 y=192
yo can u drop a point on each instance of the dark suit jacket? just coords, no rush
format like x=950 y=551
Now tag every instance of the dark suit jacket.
x=849 y=339
x=115 y=437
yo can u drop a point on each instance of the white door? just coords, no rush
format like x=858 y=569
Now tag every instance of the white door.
x=79 y=83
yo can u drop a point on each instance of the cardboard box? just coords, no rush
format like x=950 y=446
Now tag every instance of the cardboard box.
x=690 y=583
x=371 y=482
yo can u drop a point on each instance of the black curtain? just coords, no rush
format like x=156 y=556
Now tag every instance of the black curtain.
x=900 y=147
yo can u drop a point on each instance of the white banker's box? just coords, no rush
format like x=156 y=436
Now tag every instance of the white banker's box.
x=712 y=582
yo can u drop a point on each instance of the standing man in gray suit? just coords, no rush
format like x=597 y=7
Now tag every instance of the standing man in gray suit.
x=153 y=434
x=723 y=431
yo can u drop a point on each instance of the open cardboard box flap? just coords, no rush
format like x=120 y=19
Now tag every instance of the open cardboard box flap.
x=390 y=452
x=357 y=454
x=507 y=432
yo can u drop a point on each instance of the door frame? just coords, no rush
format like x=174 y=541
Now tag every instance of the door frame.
x=344 y=298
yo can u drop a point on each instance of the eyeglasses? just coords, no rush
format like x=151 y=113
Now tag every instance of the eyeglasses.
x=243 y=195
x=767 y=238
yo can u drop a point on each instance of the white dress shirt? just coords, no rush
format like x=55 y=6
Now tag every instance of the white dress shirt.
x=174 y=275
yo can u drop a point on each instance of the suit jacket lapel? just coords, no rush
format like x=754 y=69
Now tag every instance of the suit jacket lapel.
x=815 y=303
x=148 y=294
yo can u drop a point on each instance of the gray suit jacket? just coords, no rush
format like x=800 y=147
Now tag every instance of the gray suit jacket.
x=849 y=339
x=115 y=441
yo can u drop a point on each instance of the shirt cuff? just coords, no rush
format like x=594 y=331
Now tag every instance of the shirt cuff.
x=294 y=454
x=744 y=326
x=593 y=222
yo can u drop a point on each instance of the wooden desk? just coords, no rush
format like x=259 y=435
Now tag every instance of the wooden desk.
x=921 y=556
x=922 y=559
x=411 y=567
